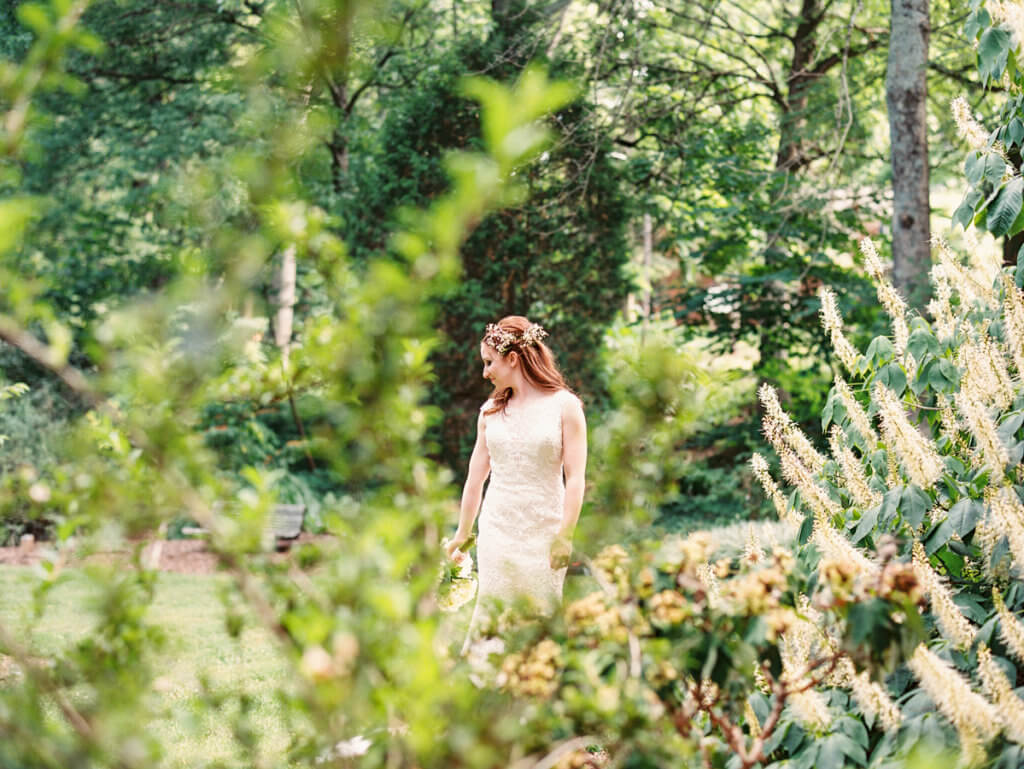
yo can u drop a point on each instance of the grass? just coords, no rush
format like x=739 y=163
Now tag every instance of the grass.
x=189 y=611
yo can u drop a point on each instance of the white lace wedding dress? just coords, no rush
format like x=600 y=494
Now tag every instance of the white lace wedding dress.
x=521 y=512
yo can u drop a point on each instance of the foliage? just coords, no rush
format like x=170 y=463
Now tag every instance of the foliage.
x=31 y=428
x=109 y=160
x=556 y=255
x=7 y=392
x=670 y=656
x=993 y=200
x=136 y=459
x=659 y=395
x=938 y=486
x=764 y=116
x=900 y=595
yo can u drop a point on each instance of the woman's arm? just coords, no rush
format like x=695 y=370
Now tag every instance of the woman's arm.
x=472 y=491
x=574 y=462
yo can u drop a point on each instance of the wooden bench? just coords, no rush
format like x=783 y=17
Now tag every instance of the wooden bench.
x=286 y=525
x=283 y=528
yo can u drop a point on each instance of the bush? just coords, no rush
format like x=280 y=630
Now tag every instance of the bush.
x=32 y=423
x=899 y=597
x=556 y=255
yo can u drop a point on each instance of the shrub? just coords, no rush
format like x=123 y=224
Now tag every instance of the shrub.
x=32 y=423
x=900 y=594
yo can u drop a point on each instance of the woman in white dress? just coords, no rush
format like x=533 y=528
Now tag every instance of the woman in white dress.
x=530 y=433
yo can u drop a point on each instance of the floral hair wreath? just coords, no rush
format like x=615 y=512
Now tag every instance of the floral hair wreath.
x=501 y=338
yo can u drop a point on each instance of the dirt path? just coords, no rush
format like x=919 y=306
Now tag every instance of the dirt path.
x=181 y=556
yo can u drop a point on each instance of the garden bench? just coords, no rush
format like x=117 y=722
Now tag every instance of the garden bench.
x=283 y=528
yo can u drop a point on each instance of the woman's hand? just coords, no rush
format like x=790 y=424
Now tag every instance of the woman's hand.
x=451 y=549
x=561 y=549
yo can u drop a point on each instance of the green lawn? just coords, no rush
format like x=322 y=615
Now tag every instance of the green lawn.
x=190 y=612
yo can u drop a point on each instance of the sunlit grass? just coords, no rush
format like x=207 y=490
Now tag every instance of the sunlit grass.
x=198 y=648
x=201 y=658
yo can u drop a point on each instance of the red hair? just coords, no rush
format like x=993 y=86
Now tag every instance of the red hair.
x=538 y=362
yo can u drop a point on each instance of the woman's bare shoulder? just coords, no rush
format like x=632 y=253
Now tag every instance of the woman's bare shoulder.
x=571 y=402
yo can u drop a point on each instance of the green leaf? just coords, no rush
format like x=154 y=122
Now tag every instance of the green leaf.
x=965 y=514
x=826 y=412
x=35 y=16
x=974 y=170
x=777 y=737
x=879 y=462
x=953 y=562
x=1015 y=131
x=806 y=527
x=1000 y=552
x=1015 y=454
x=890 y=504
x=964 y=214
x=993 y=50
x=1009 y=426
x=944 y=376
x=1004 y=211
x=954 y=465
x=868 y=521
x=794 y=738
x=893 y=377
x=984 y=634
x=879 y=351
x=923 y=376
x=922 y=341
x=971 y=607
x=976 y=22
x=865 y=618
x=807 y=758
x=854 y=729
x=993 y=169
x=838 y=750
x=914 y=503
x=15 y=215
x=1018 y=224
x=938 y=536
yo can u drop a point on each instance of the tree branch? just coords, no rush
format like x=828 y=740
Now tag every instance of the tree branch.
x=42 y=354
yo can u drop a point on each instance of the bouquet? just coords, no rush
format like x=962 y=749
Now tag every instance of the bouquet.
x=458 y=582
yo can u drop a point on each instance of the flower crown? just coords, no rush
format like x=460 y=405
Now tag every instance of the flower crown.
x=502 y=338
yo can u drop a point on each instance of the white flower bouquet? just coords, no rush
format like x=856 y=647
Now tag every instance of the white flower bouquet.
x=457 y=584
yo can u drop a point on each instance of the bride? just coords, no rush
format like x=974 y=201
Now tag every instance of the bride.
x=529 y=433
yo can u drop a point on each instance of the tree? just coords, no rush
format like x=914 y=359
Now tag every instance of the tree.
x=906 y=94
x=109 y=161
x=556 y=254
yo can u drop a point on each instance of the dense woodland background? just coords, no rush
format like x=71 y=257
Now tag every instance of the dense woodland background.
x=248 y=249
x=752 y=143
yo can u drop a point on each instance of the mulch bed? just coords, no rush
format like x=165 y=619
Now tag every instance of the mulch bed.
x=181 y=556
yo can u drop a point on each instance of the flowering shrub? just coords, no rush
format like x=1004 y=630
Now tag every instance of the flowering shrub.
x=900 y=597
x=942 y=474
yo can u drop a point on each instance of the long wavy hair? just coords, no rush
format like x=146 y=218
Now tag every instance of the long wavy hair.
x=537 y=360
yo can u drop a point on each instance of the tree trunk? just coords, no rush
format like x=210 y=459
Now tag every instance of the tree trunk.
x=285 y=304
x=906 y=91
x=793 y=122
x=504 y=13
x=648 y=249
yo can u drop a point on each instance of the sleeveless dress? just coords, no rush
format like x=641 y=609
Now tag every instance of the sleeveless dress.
x=522 y=510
